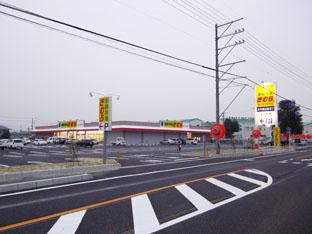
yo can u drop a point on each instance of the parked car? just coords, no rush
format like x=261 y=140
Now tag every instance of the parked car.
x=177 y=141
x=14 y=144
x=168 y=142
x=40 y=142
x=71 y=141
x=192 y=141
x=26 y=141
x=3 y=143
x=85 y=143
x=52 y=140
x=300 y=142
x=95 y=142
x=60 y=140
x=119 y=141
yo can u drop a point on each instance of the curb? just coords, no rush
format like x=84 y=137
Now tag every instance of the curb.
x=43 y=183
x=6 y=177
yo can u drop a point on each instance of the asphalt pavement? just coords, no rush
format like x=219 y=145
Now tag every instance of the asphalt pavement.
x=129 y=155
x=263 y=194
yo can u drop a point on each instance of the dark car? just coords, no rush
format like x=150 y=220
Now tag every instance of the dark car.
x=85 y=143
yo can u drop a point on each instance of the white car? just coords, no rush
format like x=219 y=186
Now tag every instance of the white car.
x=14 y=144
x=119 y=141
x=192 y=141
x=3 y=143
x=26 y=141
x=40 y=142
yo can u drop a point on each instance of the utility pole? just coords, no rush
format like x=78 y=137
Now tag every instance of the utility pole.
x=219 y=64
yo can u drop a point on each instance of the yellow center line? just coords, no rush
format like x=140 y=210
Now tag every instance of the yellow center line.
x=52 y=216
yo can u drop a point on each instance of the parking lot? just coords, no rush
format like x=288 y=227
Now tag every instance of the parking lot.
x=129 y=155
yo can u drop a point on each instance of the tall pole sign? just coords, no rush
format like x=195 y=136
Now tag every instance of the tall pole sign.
x=105 y=120
x=266 y=108
x=105 y=113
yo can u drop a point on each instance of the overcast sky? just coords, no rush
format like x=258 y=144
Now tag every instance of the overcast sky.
x=48 y=75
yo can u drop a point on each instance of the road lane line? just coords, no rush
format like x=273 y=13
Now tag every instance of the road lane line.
x=117 y=177
x=38 y=162
x=257 y=182
x=31 y=221
x=144 y=217
x=236 y=191
x=2 y=165
x=67 y=223
x=195 y=198
x=12 y=156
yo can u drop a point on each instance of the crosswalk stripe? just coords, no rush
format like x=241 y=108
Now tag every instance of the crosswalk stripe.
x=257 y=182
x=67 y=223
x=144 y=217
x=255 y=171
x=195 y=198
x=228 y=187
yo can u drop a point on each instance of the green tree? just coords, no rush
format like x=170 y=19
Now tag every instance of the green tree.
x=231 y=126
x=289 y=117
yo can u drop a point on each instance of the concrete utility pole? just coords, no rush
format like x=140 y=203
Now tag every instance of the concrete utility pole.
x=219 y=64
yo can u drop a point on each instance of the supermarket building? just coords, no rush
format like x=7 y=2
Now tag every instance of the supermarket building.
x=134 y=132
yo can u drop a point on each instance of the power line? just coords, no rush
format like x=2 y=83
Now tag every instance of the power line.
x=104 y=44
x=258 y=45
x=160 y=21
x=107 y=37
x=259 y=56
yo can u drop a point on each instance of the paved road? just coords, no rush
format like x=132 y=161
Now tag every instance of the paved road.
x=130 y=155
x=265 y=194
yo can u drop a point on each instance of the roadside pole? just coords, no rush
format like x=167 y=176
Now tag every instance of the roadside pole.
x=104 y=145
x=204 y=145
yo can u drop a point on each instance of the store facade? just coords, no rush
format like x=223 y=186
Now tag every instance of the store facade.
x=134 y=132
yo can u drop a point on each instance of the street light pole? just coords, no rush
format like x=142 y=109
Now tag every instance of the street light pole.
x=105 y=132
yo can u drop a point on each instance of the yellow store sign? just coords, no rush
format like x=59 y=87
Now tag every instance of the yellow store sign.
x=265 y=95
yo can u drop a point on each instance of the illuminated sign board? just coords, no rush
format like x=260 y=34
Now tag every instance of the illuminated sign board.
x=105 y=113
x=265 y=105
x=68 y=124
x=171 y=124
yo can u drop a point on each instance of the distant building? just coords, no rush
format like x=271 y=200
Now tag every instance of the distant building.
x=4 y=132
x=195 y=122
x=307 y=128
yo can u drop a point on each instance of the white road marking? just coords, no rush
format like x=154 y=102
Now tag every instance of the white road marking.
x=297 y=163
x=16 y=153
x=12 y=156
x=2 y=165
x=155 y=228
x=309 y=165
x=38 y=163
x=36 y=152
x=257 y=182
x=195 y=198
x=141 y=155
x=306 y=159
x=283 y=161
x=248 y=159
x=67 y=223
x=151 y=161
x=129 y=175
x=38 y=155
x=144 y=217
x=236 y=191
